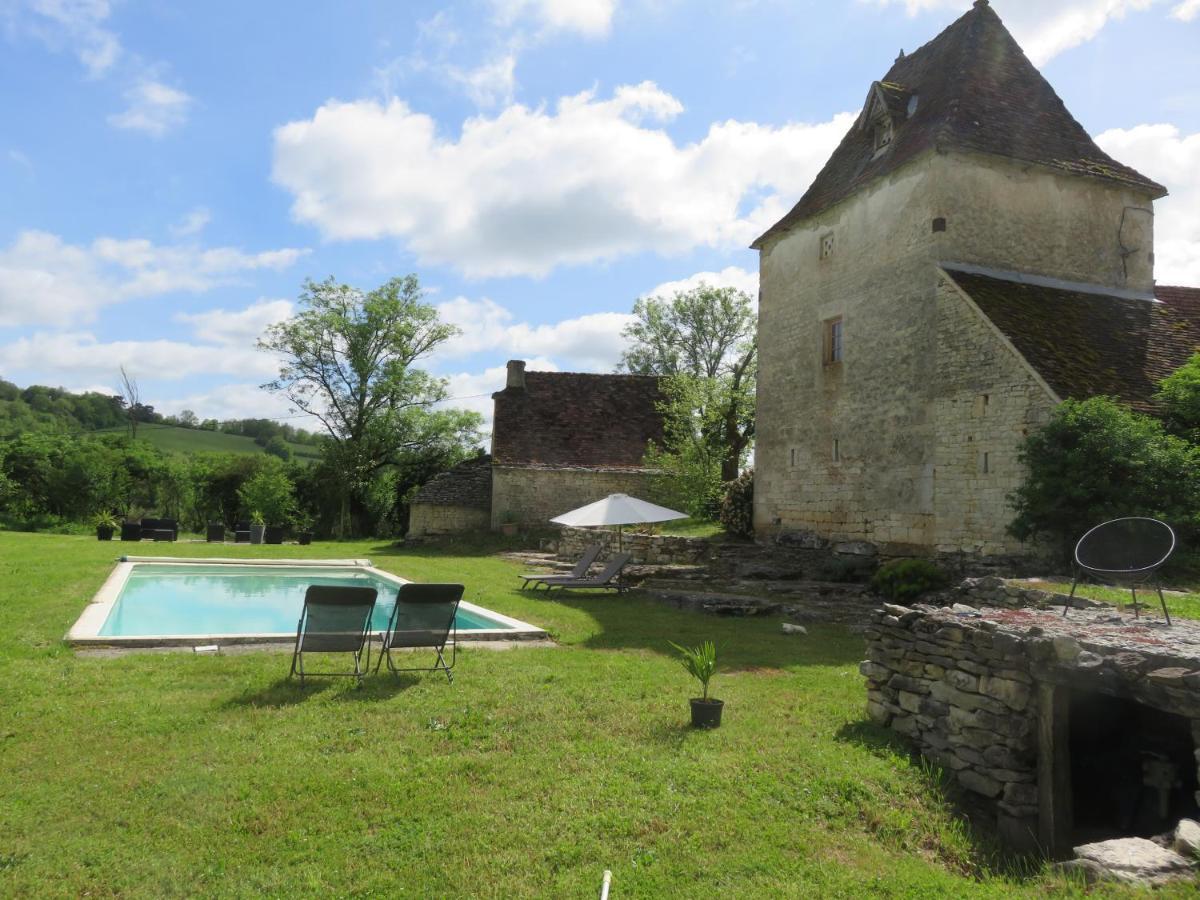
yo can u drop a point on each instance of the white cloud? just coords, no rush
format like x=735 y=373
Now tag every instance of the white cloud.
x=1186 y=11
x=152 y=108
x=76 y=25
x=20 y=159
x=1044 y=28
x=730 y=276
x=44 y=280
x=590 y=343
x=78 y=355
x=1172 y=158
x=232 y=401
x=527 y=190
x=491 y=84
x=193 y=223
x=590 y=18
x=239 y=327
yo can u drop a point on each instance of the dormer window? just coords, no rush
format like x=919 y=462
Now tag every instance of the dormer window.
x=882 y=130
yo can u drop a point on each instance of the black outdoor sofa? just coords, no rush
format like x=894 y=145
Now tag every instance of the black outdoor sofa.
x=150 y=529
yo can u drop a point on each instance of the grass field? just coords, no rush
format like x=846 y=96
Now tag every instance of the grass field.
x=196 y=440
x=169 y=774
x=1185 y=605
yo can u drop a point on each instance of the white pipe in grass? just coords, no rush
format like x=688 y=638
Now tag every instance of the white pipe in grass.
x=606 y=884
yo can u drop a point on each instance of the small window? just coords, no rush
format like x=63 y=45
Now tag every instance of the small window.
x=793 y=457
x=939 y=224
x=987 y=463
x=833 y=341
x=827 y=245
x=837 y=450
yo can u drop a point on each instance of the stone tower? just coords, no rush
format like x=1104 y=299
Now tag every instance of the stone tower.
x=890 y=408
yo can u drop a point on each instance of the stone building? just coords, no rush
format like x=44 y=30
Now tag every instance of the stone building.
x=966 y=259
x=564 y=439
x=559 y=440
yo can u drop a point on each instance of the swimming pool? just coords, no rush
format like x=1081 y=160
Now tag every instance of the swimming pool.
x=163 y=601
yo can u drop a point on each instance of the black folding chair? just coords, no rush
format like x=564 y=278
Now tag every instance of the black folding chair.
x=423 y=617
x=1129 y=550
x=334 y=620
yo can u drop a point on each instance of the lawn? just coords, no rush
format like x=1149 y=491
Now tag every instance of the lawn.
x=169 y=774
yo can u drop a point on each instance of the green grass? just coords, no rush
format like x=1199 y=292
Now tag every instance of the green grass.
x=196 y=440
x=170 y=774
x=1183 y=605
x=698 y=528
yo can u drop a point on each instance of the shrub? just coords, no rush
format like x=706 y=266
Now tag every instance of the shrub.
x=846 y=569
x=269 y=493
x=904 y=580
x=1179 y=396
x=737 y=506
x=1097 y=460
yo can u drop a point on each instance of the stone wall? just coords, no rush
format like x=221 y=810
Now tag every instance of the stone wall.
x=966 y=700
x=533 y=495
x=875 y=447
x=985 y=401
x=986 y=694
x=652 y=549
x=425 y=519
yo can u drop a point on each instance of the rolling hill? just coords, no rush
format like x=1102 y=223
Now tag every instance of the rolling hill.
x=195 y=440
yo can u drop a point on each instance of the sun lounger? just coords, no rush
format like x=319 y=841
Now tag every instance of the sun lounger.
x=590 y=553
x=423 y=617
x=607 y=579
x=334 y=620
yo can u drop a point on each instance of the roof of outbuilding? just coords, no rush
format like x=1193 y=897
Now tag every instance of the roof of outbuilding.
x=572 y=419
x=467 y=484
x=971 y=89
x=1084 y=343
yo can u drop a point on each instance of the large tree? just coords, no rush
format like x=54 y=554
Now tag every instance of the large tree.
x=705 y=341
x=349 y=359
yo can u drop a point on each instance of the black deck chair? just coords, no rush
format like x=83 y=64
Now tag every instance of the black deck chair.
x=590 y=553
x=131 y=531
x=608 y=578
x=334 y=620
x=1130 y=551
x=423 y=617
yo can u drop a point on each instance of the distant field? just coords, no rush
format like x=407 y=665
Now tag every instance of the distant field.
x=194 y=440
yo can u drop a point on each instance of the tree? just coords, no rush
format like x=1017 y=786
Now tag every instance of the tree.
x=1179 y=397
x=129 y=392
x=348 y=359
x=705 y=341
x=1096 y=460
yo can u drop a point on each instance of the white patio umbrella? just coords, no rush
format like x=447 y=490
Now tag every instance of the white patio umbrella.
x=619 y=510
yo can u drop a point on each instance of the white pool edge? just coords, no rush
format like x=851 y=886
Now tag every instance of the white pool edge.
x=86 y=630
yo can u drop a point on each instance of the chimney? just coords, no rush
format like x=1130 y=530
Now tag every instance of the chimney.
x=516 y=375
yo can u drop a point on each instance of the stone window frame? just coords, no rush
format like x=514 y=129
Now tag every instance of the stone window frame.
x=882 y=133
x=833 y=341
x=826 y=244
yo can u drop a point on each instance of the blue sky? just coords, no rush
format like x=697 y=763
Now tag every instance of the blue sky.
x=171 y=173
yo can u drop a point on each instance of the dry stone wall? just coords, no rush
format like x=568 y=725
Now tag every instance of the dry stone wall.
x=965 y=697
x=648 y=549
x=427 y=519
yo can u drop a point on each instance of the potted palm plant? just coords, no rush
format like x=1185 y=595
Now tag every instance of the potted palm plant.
x=508 y=523
x=106 y=525
x=258 y=525
x=701 y=663
x=303 y=523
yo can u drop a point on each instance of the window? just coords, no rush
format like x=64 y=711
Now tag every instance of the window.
x=793 y=456
x=837 y=450
x=827 y=245
x=833 y=341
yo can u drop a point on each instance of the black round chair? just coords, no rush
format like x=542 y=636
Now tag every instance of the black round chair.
x=1130 y=551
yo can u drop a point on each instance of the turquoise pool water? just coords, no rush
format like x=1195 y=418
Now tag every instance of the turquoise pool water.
x=229 y=599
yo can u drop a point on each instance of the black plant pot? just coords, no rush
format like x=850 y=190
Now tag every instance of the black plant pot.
x=216 y=533
x=305 y=538
x=104 y=532
x=706 y=713
x=273 y=534
x=256 y=533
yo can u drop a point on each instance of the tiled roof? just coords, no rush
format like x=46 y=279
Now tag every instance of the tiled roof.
x=1084 y=343
x=467 y=484
x=577 y=420
x=969 y=89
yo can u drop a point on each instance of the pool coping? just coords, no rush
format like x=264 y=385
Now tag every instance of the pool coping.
x=86 y=630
